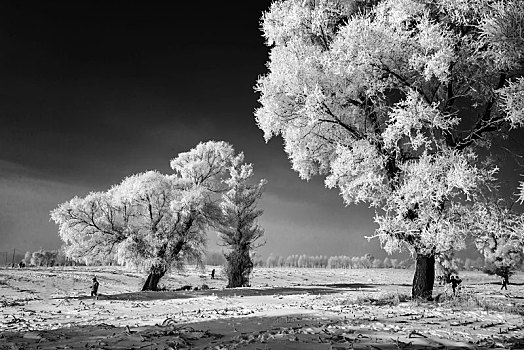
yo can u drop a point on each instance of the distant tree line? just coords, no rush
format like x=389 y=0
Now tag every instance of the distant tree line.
x=57 y=257
x=366 y=261
x=43 y=257
x=49 y=258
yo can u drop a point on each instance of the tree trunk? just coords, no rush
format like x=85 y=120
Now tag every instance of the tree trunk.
x=155 y=274
x=424 y=277
x=238 y=268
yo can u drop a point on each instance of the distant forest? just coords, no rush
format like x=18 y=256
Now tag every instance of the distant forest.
x=42 y=257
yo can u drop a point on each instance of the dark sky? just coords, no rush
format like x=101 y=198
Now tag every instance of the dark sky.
x=91 y=92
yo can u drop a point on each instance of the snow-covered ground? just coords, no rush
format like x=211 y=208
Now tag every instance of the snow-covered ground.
x=284 y=308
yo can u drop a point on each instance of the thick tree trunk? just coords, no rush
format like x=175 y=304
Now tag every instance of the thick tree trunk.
x=424 y=277
x=238 y=268
x=155 y=274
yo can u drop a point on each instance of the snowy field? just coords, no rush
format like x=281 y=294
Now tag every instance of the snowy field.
x=286 y=308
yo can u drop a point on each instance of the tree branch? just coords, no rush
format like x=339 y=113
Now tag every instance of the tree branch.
x=485 y=124
x=356 y=134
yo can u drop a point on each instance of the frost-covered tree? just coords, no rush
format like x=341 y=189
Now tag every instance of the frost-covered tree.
x=356 y=263
x=301 y=262
x=390 y=100
x=447 y=265
x=271 y=261
x=150 y=221
x=239 y=230
x=61 y=258
x=37 y=258
x=394 y=263
x=367 y=260
x=49 y=257
x=27 y=258
x=377 y=264
x=499 y=237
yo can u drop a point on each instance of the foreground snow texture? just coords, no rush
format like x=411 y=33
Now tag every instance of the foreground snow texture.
x=284 y=309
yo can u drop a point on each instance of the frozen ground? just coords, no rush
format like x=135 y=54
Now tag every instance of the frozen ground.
x=50 y=308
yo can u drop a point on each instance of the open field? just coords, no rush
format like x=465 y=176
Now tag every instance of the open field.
x=50 y=308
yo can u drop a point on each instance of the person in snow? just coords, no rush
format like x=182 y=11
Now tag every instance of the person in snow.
x=455 y=281
x=505 y=282
x=94 y=288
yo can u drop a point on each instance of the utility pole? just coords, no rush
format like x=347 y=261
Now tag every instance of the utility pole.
x=13 y=260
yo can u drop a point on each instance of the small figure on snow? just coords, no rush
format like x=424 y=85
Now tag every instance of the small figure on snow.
x=94 y=288
x=505 y=282
x=213 y=274
x=455 y=281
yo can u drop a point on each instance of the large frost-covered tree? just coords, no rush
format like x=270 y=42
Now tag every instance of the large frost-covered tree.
x=150 y=221
x=391 y=100
x=239 y=230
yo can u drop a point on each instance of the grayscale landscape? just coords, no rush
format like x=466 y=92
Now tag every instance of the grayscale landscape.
x=285 y=308
x=274 y=174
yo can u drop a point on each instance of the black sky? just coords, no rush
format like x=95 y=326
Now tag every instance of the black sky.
x=93 y=91
x=89 y=82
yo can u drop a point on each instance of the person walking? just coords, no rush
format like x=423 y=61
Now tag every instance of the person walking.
x=505 y=282
x=455 y=281
x=94 y=288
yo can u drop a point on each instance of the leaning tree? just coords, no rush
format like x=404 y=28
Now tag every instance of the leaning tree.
x=238 y=229
x=391 y=100
x=150 y=221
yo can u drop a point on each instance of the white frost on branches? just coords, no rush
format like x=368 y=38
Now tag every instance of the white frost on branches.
x=410 y=118
x=502 y=28
x=239 y=231
x=375 y=95
x=499 y=236
x=358 y=173
x=426 y=208
x=520 y=193
x=512 y=101
x=151 y=221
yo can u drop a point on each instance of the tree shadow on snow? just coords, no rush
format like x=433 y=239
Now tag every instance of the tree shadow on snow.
x=498 y=283
x=316 y=290
x=228 y=292
x=401 y=284
x=278 y=332
x=349 y=285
